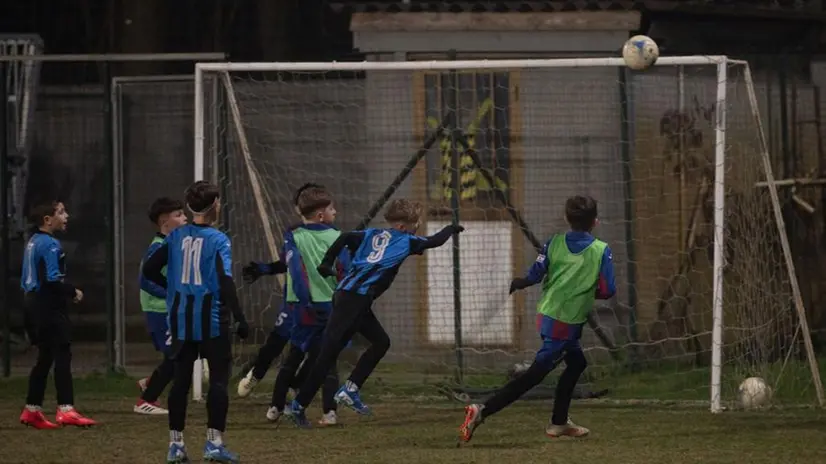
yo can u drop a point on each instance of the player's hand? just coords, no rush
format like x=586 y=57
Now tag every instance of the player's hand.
x=457 y=229
x=78 y=296
x=242 y=329
x=252 y=272
x=326 y=271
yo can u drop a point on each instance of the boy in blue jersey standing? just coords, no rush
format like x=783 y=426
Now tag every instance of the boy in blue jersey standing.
x=377 y=255
x=201 y=298
x=47 y=318
x=166 y=214
x=575 y=269
x=279 y=336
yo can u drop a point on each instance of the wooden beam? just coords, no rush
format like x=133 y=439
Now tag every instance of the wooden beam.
x=794 y=183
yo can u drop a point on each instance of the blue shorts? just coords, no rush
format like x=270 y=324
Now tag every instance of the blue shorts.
x=558 y=339
x=304 y=336
x=158 y=328
x=285 y=321
x=309 y=325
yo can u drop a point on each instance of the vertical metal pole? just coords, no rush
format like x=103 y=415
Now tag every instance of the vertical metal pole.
x=116 y=100
x=719 y=236
x=106 y=75
x=769 y=113
x=5 y=265
x=681 y=159
x=221 y=142
x=200 y=174
x=456 y=188
x=198 y=130
x=784 y=120
x=626 y=119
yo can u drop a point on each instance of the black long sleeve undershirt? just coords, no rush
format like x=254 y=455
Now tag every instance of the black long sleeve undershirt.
x=229 y=292
x=276 y=267
x=433 y=241
x=352 y=240
x=64 y=289
x=153 y=267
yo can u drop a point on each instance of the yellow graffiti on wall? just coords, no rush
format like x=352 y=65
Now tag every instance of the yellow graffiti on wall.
x=470 y=182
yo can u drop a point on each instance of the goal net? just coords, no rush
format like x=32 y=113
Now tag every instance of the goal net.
x=675 y=157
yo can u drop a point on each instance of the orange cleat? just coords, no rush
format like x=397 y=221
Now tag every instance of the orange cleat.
x=72 y=417
x=473 y=419
x=36 y=419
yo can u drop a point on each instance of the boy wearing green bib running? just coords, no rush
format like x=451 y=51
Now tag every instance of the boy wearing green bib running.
x=575 y=269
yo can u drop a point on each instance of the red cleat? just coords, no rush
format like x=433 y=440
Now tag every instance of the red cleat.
x=72 y=417
x=36 y=419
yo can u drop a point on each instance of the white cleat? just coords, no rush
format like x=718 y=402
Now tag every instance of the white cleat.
x=149 y=409
x=273 y=414
x=330 y=418
x=247 y=385
x=568 y=430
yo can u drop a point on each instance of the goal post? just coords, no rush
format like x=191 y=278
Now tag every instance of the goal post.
x=688 y=203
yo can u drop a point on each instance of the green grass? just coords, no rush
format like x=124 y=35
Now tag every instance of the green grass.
x=421 y=428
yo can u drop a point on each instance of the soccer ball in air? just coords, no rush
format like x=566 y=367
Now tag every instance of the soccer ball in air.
x=640 y=52
x=754 y=392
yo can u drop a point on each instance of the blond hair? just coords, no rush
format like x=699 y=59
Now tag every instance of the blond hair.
x=404 y=211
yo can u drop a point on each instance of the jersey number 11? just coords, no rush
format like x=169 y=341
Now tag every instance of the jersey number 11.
x=191 y=266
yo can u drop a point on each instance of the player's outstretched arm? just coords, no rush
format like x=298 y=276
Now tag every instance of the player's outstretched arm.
x=55 y=279
x=229 y=292
x=606 y=285
x=153 y=267
x=255 y=270
x=419 y=244
x=351 y=240
x=147 y=285
x=535 y=274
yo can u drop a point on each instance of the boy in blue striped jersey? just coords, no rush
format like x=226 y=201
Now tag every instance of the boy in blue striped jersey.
x=47 y=296
x=167 y=215
x=201 y=299
x=377 y=255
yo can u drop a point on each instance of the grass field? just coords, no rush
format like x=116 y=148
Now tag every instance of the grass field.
x=418 y=431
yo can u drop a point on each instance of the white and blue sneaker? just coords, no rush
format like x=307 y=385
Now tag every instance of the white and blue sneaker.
x=219 y=453
x=299 y=416
x=176 y=454
x=352 y=400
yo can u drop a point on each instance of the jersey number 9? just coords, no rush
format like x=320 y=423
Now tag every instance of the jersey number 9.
x=191 y=266
x=379 y=245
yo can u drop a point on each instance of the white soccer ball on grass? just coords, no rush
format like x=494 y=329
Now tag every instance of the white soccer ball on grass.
x=640 y=52
x=754 y=392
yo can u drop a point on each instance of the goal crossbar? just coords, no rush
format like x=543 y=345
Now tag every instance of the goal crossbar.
x=459 y=64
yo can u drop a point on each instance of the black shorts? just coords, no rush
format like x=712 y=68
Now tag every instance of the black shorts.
x=219 y=348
